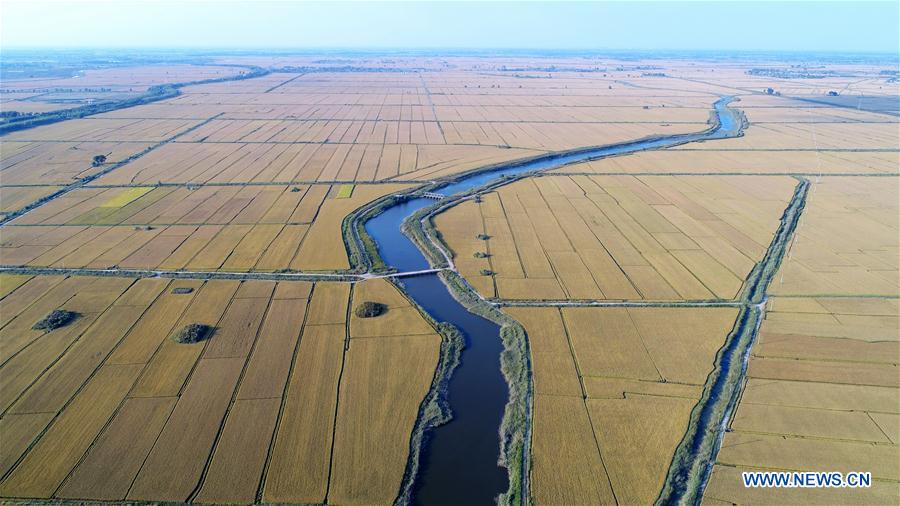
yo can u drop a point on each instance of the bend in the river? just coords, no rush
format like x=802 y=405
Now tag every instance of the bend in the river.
x=459 y=461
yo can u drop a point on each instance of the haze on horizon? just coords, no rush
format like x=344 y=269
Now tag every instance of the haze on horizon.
x=728 y=26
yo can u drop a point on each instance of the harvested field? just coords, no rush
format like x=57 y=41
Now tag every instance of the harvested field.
x=617 y=237
x=614 y=389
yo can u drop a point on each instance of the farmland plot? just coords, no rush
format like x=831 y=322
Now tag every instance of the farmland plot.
x=211 y=228
x=616 y=237
x=614 y=389
x=293 y=397
x=820 y=393
x=109 y=407
x=847 y=240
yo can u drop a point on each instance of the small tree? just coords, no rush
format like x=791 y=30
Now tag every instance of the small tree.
x=369 y=309
x=483 y=237
x=56 y=319
x=98 y=160
x=192 y=333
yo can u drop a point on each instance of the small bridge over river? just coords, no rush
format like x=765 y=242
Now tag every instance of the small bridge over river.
x=404 y=274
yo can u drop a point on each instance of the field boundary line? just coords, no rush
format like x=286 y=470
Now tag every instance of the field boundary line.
x=175 y=274
x=619 y=303
x=85 y=180
x=337 y=395
x=261 y=486
x=201 y=480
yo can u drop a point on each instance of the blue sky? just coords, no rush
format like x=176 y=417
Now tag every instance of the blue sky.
x=778 y=26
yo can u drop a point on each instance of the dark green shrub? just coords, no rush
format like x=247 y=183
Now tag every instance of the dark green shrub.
x=369 y=309
x=56 y=319
x=193 y=333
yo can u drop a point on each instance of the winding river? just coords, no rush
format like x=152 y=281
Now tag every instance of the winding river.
x=459 y=461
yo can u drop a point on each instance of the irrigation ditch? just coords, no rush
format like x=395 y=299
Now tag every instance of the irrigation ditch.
x=695 y=456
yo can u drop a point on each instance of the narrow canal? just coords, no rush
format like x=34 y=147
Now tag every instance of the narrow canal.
x=459 y=461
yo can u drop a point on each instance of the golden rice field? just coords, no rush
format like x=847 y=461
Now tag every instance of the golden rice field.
x=848 y=240
x=228 y=228
x=614 y=389
x=822 y=389
x=103 y=84
x=783 y=136
x=58 y=163
x=296 y=399
x=110 y=408
x=358 y=127
x=15 y=198
x=821 y=394
x=617 y=237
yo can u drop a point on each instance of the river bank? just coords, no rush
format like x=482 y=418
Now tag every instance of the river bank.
x=396 y=233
